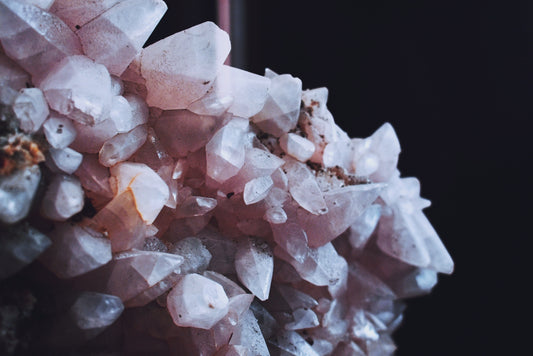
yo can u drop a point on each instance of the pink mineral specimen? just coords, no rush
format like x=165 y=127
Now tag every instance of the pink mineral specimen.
x=225 y=210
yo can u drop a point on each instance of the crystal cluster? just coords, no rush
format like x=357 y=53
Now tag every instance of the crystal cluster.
x=226 y=211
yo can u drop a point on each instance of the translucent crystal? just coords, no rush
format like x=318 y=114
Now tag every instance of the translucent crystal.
x=11 y=74
x=59 y=131
x=20 y=245
x=197 y=301
x=80 y=89
x=122 y=146
x=196 y=256
x=16 y=193
x=282 y=108
x=63 y=198
x=296 y=146
x=181 y=68
x=95 y=310
x=254 y=264
x=117 y=35
x=66 y=159
x=34 y=38
x=257 y=189
x=149 y=190
x=76 y=13
x=75 y=250
x=225 y=151
x=136 y=271
x=31 y=109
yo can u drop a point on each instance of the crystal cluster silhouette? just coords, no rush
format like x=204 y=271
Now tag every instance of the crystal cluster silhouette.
x=189 y=207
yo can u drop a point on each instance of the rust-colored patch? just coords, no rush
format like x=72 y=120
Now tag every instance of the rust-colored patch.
x=19 y=151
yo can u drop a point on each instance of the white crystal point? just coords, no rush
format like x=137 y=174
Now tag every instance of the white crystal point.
x=66 y=159
x=225 y=153
x=344 y=206
x=16 y=193
x=59 y=131
x=254 y=264
x=197 y=301
x=195 y=206
x=95 y=310
x=63 y=198
x=303 y=319
x=34 y=38
x=282 y=108
x=304 y=188
x=377 y=155
x=76 y=13
x=360 y=231
x=31 y=109
x=134 y=272
x=149 y=190
x=75 y=250
x=257 y=189
x=248 y=334
x=321 y=266
x=296 y=299
x=248 y=90
x=297 y=146
x=413 y=240
x=181 y=68
x=80 y=89
x=418 y=282
x=275 y=215
x=122 y=146
x=291 y=343
x=21 y=244
x=11 y=74
x=116 y=36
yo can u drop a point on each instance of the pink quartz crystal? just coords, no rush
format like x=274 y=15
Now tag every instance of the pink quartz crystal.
x=225 y=210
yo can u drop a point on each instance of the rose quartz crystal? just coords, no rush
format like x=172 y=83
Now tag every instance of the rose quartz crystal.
x=225 y=210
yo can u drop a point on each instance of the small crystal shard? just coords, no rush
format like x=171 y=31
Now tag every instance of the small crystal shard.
x=63 y=198
x=296 y=146
x=178 y=77
x=255 y=265
x=59 y=131
x=122 y=146
x=225 y=151
x=282 y=108
x=197 y=301
x=66 y=159
x=75 y=250
x=257 y=189
x=16 y=193
x=31 y=109
x=95 y=311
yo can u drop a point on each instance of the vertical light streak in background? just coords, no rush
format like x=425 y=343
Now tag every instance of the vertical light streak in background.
x=224 y=20
x=231 y=17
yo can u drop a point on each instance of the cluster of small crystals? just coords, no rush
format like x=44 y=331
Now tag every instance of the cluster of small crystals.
x=226 y=211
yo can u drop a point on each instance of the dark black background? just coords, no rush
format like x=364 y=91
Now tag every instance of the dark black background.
x=454 y=79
